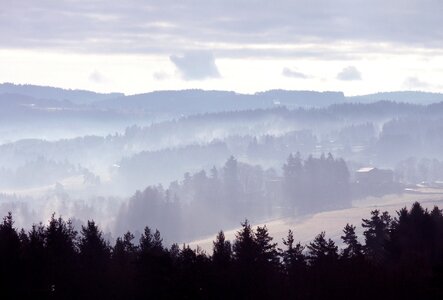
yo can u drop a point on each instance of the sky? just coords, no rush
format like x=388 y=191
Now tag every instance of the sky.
x=247 y=46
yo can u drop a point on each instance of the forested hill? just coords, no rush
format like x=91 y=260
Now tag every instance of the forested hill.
x=403 y=96
x=200 y=101
x=39 y=103
x=46 y=92
x=396 y=258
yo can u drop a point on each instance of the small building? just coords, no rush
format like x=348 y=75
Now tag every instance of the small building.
x=370 y=176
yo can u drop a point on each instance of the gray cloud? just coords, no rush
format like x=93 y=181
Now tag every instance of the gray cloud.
x=415 y=83
x=97 y=77
x=196 y=65
x=168 y=26
x=160 y=76
x=349 y=73
x=293 y=74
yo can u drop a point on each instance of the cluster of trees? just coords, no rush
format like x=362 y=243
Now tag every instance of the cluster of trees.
x=133 y=158
x=400 y=258
x=316 y=184
x=225 y=195
x=217 y=199
x=413 y=170
x=50 y=171
x=270 y=147
x=132 y=172
x=420 y=136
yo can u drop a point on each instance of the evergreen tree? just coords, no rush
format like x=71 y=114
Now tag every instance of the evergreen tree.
x=123 y=257
x=353 y=247
x=151 y=246
x=376 y=235
x=94 y=250
x=232 y=187
x=124 y=249
x=10 y=249
x=293 y=258
x=61 y=247
x=322 y=251
x=157 y=241
x=293 y=180
x=245 y=247
x=146 y=243
x=153 y=265
x=94 y=258
x=266 y=249
x=37 y=261
x=222 y=251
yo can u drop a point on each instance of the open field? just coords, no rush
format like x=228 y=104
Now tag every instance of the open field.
x=332 y=222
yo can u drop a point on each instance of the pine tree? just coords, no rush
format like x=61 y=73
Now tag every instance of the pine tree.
x=376 y=235
x=146 y=243
x=293 y=258
x=245 y=248
x=124 y=248
x=123 y=259
x=10 y=247
x=157 y=241
x=94 y=255
x=36 y=259
x=293 y=180
x=222 y=251
x=266 y=249
x=61 y=247
x=94 y=250
x=353 y=247
x=322 y=250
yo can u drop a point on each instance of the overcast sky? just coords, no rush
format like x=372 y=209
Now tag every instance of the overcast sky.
x=136 y=46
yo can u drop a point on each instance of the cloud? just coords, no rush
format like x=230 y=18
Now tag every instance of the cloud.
x=293 y=74
x=415 y=83
x=169 y=26
x=196 y=65
x=160 y=76
x=97 y=77
x=349 y=73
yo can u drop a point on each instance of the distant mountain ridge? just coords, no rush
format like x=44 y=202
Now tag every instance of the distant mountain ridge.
x=196 y=101
x=46 y=92
x=201 y=101
x=415 y=97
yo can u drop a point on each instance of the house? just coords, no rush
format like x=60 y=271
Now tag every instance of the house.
x=373 y=177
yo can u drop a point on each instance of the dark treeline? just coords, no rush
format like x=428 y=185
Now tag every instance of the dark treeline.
x=400 y=258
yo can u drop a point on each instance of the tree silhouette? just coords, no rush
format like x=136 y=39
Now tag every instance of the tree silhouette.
x=293 y=180
x=52 y=262
x=153 y=265
x=222 y=251
x=353 y=247
x=61 y=247
x=94 y=250
x=36 y=260
x=266 y=249
x=123 y=258
x=293 y=258
x=245 y=248
x=10 y=249
x=376 y=235
x=322 y=251
x=94 y=255
x=293 y=265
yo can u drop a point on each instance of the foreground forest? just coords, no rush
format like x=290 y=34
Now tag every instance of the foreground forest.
x=397 y=257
